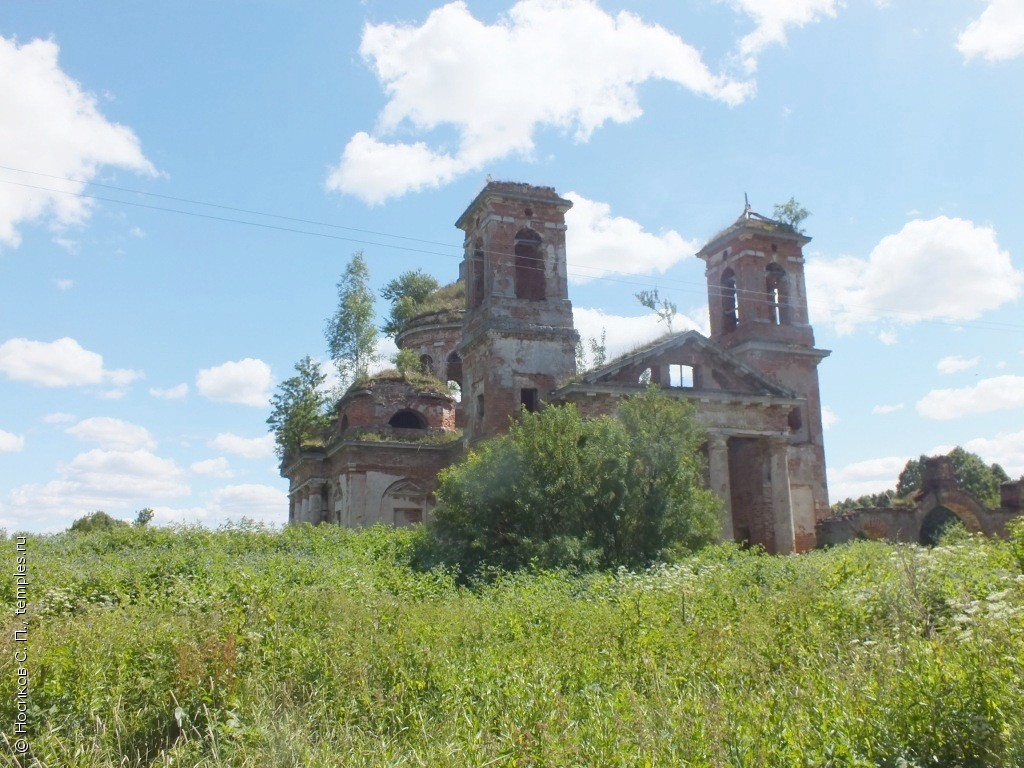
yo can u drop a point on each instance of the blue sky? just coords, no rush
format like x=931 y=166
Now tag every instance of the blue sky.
x=138 y=344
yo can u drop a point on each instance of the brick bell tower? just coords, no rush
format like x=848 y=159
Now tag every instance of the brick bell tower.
x=757 y=299
x=518 y=340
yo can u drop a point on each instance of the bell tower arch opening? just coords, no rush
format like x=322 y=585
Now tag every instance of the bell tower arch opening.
x=529 y=279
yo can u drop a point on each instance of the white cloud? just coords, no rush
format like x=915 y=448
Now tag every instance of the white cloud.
x=113 y=434
x=262 y=503
x=11 y=443
x=217 y=467
x=623 y=334
x=995 y=394
x=246 y=381
x=50 y=125
x=598 y=243
x=170 y=393
x=829 y=418
x=941 y=269
x=774 y=18
x=249 y=447
x=863 y=477
x=560 y=63
x=884 y=409
x=58 y=418
x=98 y=479
x=996 y=35
x=955 y=364
x=1005 y=449
x=64 y=285
x=60 y=363
x=888 y=337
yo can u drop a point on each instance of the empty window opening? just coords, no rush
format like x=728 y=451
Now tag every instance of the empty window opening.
x=426 y=363
x=344 y=422
x=775 y=248
x=529 y=400
x=476 y=277
x=529 y=266
x=645 y=377
x=480 y=409
x=775 y=286
x=456 y=389
x=408 y=420
x=796 y=420
x=680 y=375
x=730 y=307
x=453 y=368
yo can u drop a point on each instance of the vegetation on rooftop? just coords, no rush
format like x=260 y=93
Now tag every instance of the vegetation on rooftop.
x=416 y=293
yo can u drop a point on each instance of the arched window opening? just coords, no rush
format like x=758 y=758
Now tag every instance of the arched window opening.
x=408 y=420
x=344 y=422
x=426 y=363
x=456 y=389
x=453 y=368
x=476 y=277
x=529 y=266
x=730 y=307
x=936 y=523
x=796 y=420
x=775 y=286
x=403 y=504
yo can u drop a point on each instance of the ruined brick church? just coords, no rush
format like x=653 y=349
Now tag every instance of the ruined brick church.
x=512 y=345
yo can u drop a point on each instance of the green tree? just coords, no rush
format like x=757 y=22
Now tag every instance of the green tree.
x=663 y=308
x=299 y=408
x=350 y=331
x=143 y=517
x=790 y=213
x=599 y=349
x=405 y=293
x=972 y=475
x=559 y=490
x=96 y=521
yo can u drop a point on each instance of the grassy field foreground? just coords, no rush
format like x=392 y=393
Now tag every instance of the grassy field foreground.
x=324 y=647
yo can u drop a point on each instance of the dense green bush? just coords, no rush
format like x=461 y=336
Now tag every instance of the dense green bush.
x=559 y=490
x=321 y=647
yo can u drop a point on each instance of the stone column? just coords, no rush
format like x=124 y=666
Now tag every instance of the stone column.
x=782 y=506
x=718 y=470
x=316 y=505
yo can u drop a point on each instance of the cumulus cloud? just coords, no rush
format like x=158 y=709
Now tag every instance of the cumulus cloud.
x=863 y=477
x=598 y=243
x=566 y=64
x=217 y=467
x=941 y=269
x=51 y=125
x=60 y=363
x=245 y=381
x=955 y=364
x=262 y=503
x=113 y=434
x=774 y=19
x=98 y=479
x=829 y=418
x=1005 y=449
x=11 y=443
x=884 y=409
x=249 y=447
x=623 y=334
x=170 y=393
x=995 y=394
x=996 y=35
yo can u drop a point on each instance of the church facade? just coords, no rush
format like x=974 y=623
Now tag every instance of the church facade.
x=754 y=380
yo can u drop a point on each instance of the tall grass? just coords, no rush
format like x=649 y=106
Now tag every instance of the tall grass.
x=325 y=647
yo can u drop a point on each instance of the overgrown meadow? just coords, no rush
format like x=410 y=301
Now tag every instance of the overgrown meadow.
x=327 y=647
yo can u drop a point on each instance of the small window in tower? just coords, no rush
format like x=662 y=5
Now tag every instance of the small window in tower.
x=476 y=276
x=344 y=423
x=529 y=266
x=775 y=247
x=528 y=399
x=453 y=367
x=730 y=306
x=680 y=375
x=645 y=377
x=426 y=363
x=775 y=287
x=456 y=390
x=480 y=409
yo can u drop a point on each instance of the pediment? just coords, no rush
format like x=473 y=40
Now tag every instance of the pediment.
x=710 y=366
